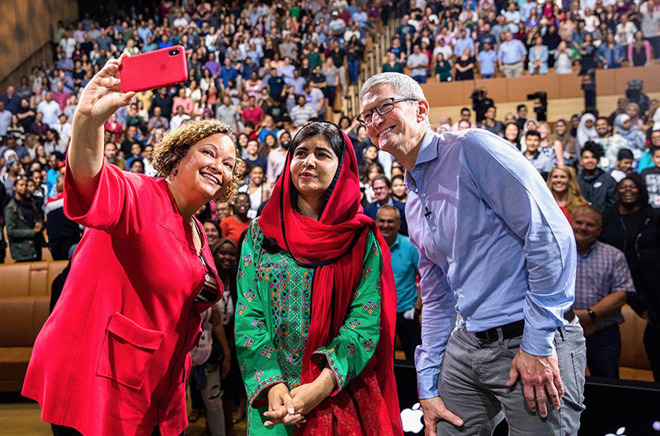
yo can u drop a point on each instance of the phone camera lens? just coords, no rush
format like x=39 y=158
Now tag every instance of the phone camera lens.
x=174 y=52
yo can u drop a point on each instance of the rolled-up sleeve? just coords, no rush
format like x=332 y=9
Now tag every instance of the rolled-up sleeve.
x=514 y=190
x=438 y=321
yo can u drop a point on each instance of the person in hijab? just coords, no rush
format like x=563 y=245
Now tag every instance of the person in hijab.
x=585 y=131
x=632 y=134
x=316 y=305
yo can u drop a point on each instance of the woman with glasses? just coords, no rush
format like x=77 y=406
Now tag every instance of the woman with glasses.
x=316 y=301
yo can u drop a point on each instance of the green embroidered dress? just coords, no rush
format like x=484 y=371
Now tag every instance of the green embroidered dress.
x=272 y=323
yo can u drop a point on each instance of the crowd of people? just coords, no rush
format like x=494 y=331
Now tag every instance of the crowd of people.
x=267 y=71
x=466 y=40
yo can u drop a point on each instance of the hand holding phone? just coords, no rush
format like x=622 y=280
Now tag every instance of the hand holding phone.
x=155 y=69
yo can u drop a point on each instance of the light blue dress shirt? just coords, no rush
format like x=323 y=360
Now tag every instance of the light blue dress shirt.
x=493 y=244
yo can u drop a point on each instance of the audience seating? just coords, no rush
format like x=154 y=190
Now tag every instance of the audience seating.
x=24 y=306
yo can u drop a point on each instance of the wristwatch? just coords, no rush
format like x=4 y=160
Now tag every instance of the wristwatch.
x=592 y=314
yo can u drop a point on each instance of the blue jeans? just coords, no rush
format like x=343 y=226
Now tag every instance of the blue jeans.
x=486 y=76
x=353 y=69
x=603 y=352
x=419 y=79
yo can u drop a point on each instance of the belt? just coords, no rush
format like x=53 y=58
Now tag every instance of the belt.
x=512 y=330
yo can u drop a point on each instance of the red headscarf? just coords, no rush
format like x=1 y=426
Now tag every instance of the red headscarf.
x=335 y=245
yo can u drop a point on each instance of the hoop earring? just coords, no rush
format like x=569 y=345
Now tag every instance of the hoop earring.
x=175 y=171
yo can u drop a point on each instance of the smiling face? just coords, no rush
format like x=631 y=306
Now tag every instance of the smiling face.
x=586 y=227
x=207 y=168
x=627 y=192
x=225 y=256
x=391 y=132
x=399 y=188
x=212 y=233
x=558 y=181
x=313 y=166
x=588 y=161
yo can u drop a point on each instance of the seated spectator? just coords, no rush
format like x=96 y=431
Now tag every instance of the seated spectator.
x=597 y=187
x=539 y=160
x=538 y=57
x=565 y=189
x=602 y=282
x=624 y=165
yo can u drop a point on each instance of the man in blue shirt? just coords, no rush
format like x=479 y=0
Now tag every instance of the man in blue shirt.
x=495 y=249
x=404 y=265
x=511 y=54
x=487 y=59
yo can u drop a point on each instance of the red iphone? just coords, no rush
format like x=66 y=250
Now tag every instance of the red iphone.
x=155 y=69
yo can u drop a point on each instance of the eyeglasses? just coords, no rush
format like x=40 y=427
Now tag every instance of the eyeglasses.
x=383 y=107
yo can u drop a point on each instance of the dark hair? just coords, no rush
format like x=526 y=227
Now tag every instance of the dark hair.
x=625 y=153
x=594 y=148
x=532 y=133
x=397 y=177
x=643 y=200
x=330 y=132
x=520 y=106
x=335 y=137
x=604 y=118
x=382 y=178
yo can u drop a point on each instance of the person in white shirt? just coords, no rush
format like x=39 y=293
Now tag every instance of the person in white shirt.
x=64 y=130
x=50 y=108
x=179 y=118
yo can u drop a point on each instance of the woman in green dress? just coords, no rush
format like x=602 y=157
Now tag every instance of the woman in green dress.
x=316 y=301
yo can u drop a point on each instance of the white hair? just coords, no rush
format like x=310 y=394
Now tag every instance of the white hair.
x=402 y=84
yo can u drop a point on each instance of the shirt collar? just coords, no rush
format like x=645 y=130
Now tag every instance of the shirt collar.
x=426 y=154
x=396 y=241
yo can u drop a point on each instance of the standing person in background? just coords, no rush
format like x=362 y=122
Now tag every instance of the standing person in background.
x=24 y=225
x=624 y=165
x=404 y=264
x=472 y=195
x=234 y=225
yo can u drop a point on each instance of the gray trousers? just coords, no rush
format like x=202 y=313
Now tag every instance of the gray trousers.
x=473 y=386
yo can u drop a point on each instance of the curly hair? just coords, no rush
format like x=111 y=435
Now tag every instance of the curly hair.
x=176 y=144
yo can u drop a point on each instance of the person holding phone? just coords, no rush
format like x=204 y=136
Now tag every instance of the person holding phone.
x=114 y=354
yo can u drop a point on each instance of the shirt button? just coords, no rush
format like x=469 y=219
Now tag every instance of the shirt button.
x=460 y=291
x=434 y=228
x=416 y=191
x=468 y=318
x=450 y=260
x=423 y=195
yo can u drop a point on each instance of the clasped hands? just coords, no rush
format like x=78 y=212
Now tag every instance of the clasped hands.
x=290 y=407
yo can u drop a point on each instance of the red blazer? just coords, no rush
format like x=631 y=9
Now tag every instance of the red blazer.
x=113 y=356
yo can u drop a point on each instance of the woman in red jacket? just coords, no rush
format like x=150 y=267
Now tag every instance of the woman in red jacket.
x=114 y=354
